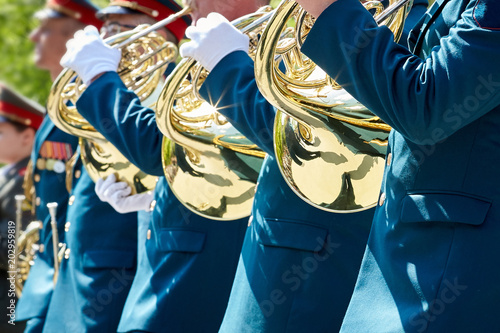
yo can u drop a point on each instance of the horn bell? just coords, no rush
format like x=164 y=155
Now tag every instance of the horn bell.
x=210 y=166
x=329 y=147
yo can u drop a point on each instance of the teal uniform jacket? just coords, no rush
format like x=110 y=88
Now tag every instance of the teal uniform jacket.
x=298 y=264
x=418 y=9
x=431 y=264
x=186 y=263
x=99 y=264
x=50 y=186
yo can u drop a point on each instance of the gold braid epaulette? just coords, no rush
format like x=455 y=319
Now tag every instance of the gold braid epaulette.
x=70 y=169
x=29 y=188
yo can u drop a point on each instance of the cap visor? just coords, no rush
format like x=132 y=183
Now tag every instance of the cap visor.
x=47 y=13
x=101 y=14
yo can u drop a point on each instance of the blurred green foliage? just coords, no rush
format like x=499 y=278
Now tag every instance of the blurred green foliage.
x=16 y=60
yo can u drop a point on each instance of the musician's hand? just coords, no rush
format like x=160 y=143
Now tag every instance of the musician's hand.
x=117 y=194
x=88 y=55
x=212 y=38
x=315 y=7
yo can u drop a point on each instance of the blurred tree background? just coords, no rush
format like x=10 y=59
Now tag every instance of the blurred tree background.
x=16 y=64
x=16 y=60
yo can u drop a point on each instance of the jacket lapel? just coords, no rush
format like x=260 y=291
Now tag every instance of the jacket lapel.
x=43 y=132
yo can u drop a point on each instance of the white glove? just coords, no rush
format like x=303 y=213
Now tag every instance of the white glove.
x=117 y=195
x=212 y=38
x=88 y=55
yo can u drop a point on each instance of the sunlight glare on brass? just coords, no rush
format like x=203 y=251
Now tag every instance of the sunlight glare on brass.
x=329 y=147
x=210 y=166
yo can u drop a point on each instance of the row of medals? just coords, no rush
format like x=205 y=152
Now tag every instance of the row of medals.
x=51 y=164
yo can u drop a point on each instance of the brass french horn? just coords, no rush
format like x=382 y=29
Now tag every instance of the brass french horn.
x=209 y=165
x=26 y=248
x=145 y=56
x=26 y=245
x=329 y=147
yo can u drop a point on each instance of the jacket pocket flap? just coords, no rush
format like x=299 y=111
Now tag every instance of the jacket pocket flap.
x=283 y=233
x=444 y=207
x=108 y=259
x=180 y=240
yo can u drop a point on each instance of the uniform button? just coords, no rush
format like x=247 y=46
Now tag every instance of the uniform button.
x=148 y=235
x=152 y=205
x=66 y=226
x=36 y=177
x=41 y=248
x=38 y=201
x=78 y=173
x=389 y=159
x=66 y=253
x=71 y=200
x=382 y=199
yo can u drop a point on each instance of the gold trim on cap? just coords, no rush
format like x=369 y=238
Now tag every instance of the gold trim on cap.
x=65 y=11
x=135 y=6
